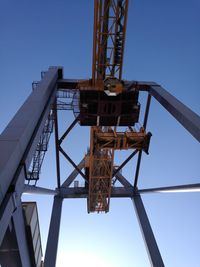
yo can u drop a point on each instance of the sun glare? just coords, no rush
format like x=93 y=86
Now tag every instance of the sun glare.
x=83 y=259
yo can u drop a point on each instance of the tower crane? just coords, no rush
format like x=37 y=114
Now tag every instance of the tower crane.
x=106 y=102
x=109 y=105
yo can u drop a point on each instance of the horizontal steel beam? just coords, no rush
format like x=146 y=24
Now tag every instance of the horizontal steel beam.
x=172 y=189
x=82 y=192
x=73 y=84
x=31 y=189
x=189 y=119
x=68 y=83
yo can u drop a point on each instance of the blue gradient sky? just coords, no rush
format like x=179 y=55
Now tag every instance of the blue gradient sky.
x=162 y=45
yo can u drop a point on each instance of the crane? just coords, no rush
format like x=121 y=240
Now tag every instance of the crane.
x=106 y=102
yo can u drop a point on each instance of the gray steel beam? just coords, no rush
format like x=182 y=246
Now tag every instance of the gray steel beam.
x=7 y=208
x=20 y=137
x=74 y=174
x=123 y=180
x=32 y=189
x=171 y=189
x=19 y=225
x=189 y=119
x=146 y=115
x=150 y=241
x=53 y=236
x=57 y=144
x=73 y=84
x=11 y=201
x=72 y=163
x=82 y=192
x=122 y=192
x=68 y=130
x=116 y=170
x=18 y=142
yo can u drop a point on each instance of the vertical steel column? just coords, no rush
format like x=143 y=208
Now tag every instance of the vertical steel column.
x=53 y=236
x=18 y=221
x=150 y=241
x=57 y=144
x=140 y=152
x=18 y=142
x=189 y=119
x=20 y=137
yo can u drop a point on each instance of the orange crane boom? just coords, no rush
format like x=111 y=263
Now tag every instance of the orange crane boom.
x=105 y=103
x=110 y=17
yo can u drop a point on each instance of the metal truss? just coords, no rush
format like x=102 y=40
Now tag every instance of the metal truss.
x=19 y=154
x=109 y=37
x=188 y=119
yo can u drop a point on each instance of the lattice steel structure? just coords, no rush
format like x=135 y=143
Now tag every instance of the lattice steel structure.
x=104 y=102
x=20 y=139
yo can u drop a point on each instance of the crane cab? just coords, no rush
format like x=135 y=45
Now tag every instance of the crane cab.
x=97 y=108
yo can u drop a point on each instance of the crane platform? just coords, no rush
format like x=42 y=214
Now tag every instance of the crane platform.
x=99 y=109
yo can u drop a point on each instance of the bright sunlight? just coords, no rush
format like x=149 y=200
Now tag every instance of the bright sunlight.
x=83 y=259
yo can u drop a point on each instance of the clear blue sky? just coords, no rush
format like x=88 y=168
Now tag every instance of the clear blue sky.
x=162 y=45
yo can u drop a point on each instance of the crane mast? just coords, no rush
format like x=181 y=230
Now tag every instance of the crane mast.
x=110 y=18
x=106 y=103
x=108 y=47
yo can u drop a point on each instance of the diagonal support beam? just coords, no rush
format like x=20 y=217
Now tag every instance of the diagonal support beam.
x=71 y=161
x=74 y=174
x=69 y=129
x=123 y=180
x=150 y=241
x=125 y=162
x=189 y=119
